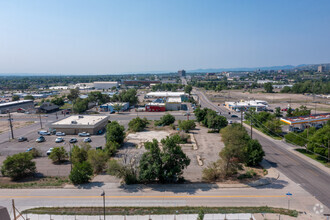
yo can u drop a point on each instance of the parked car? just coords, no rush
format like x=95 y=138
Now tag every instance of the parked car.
x=295 y=129
x=230 y=122
x=284 y=109
x=86 y=140
x=49 y=151
x=234 y=116
x=40 y=139
x=73 y=140
x=83 y=134
x=60 y=133
x=44 y=132
x=59 y=140
x=21 y=139
x=318 y=126
x=30 y=149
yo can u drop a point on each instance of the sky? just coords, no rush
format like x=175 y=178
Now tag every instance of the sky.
x=122 y=36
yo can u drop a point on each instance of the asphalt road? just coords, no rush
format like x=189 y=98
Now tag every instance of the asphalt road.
x=311 y=178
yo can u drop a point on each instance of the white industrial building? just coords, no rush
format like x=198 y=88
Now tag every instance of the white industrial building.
x=105 y=85
x=173 y=104
x=15 y=105
x=81 y=123
x=259 y=105
x=182 y=95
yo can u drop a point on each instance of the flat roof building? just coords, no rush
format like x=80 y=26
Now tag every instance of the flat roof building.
x=182 y=73
x=14 y=106
x=105 y=85
x=81 y=123
x=259 y=105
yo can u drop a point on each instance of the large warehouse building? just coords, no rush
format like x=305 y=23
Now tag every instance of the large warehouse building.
x=105 y=85
x=182 y=95
x=81 y=123
x=14 y=106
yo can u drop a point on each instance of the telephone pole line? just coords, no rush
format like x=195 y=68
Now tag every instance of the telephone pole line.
x=40 y=120
x=10 y=125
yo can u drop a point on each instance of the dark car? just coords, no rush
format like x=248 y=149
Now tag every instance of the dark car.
x=234 y=116
x=41 y=139
x=73 y=140
x=21 y=139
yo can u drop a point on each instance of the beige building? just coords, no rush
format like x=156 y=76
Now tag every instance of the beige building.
x=320 y=69
x=81 y=123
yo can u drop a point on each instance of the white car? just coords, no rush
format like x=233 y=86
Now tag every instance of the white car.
x=59 y=140
x=60 y=133
x=49 y=151
x=83 y=134
x=86 y=140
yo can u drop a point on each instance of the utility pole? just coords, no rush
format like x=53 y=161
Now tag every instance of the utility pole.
x=241 y=117
x=40 y=120
x=328 y=150
x=11 y=125
x=14 y=209
x=251 y=128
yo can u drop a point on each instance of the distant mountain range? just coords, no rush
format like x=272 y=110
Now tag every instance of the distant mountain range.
x=209 y=70
x=285 y=67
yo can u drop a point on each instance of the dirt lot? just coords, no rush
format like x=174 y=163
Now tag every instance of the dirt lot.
x=4 y=125
x=274 y=99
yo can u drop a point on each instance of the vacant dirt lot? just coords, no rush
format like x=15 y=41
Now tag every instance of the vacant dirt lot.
x=274 y=99
x=4 y=125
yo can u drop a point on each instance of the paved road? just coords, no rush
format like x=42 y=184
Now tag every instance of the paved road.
x=312 y=179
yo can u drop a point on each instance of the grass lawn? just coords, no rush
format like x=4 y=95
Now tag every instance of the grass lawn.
x=32 y=182
x=156 y=210
x=314 y=157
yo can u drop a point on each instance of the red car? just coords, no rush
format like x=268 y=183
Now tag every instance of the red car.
x=284 y=109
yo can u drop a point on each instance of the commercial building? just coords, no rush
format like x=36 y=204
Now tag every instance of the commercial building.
x=81 y=123
x=155 y=107
x=320 y=69
x=182 y=95
x=173 y=104
x=182 y=73
x=265 y=81
x=259 y=105
x=236 y=74
x=14 y=106
x=310 y=120
x=109 y=107
x=140 y=82
x=105 y=85
x=48 y=107
x=281 y=86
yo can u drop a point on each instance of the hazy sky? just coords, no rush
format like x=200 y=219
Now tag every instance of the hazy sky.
x=100 y=37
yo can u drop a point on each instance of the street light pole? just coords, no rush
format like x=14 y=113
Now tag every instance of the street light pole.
x=103 y=194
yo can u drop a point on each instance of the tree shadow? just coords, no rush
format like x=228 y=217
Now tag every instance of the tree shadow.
x=90 y=185
x=188 y=188
x=274 y=184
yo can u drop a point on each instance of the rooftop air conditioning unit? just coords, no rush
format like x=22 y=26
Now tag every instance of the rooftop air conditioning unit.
x=80 y=116
x=74 y=122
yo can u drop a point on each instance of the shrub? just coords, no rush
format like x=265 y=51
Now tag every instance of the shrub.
x=81 y=173
x=211 y=173
x=114 y=168
x=137 y=124
x=79 y=154
x=35 y=153
x=18 y=166
x=111 y=148
x=58 y=155
x=187 y=125
x=98 y=159
x=167 y=119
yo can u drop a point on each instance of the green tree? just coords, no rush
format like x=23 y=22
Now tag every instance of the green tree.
x=253 y=153
x=80 y=105
x=187 y=125
x=278 y=112
x=166 y=119
x=74 y=94
x=58 y=101
x=301 y=111
x=188 y=89
x=216 y=122
x=81 y=173
x=137 y=124
x=98 y=160
x=79 y=154
x=28 y=97
x=268 y=87
x=117 y=107
x=151 y=163
x=174 y=161
x=115 y=132
x=289 y=112
x=111 y=147
x=200 y=114
x=273 y=126
x=15 y=98
x=18 y=166
x=58 y=155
